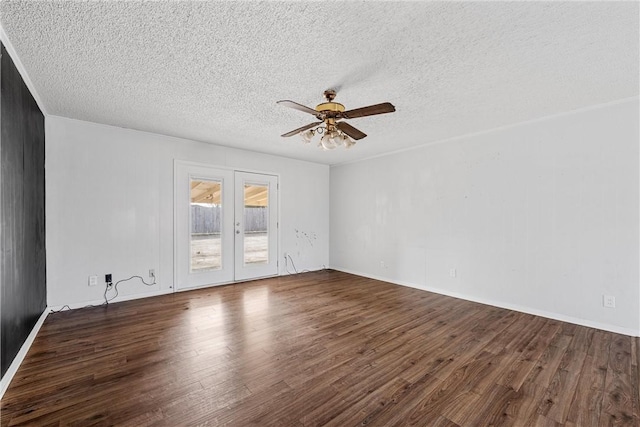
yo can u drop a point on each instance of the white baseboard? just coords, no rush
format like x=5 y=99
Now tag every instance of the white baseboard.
x=83 y=304
x=239 y=282
x=120 y=298
x=17 y=361
x=508 y=306
x=306 y=270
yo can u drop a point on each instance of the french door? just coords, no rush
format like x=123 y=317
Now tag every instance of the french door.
x=226 y=225
x=256 y=226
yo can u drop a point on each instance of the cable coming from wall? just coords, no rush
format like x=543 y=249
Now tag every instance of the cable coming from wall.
x=107 y=288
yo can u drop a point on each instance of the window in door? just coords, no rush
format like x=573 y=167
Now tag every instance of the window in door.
x=206 y=224
x=256 y=224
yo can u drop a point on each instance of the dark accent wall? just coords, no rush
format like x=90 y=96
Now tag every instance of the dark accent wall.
x=23 y=289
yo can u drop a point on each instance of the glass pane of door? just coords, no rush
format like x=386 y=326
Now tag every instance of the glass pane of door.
x=206 y=225
x=256 y=224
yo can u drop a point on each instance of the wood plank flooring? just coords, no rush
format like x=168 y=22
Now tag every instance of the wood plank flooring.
x=322 y=348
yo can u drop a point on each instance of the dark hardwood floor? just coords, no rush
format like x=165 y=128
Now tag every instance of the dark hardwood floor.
x=324 y=348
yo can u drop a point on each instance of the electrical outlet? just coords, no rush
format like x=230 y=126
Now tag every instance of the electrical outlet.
x=93 y=280
x=152 y=273
x=452 y=272
x=609 y=301
x=107 y=279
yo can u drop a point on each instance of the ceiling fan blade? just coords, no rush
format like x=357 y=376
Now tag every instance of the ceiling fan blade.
x=371 y=110
x=301 y=129
x=297 y=106
x=350 y=130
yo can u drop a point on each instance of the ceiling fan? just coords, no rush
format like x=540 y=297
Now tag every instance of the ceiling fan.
x=333 y=131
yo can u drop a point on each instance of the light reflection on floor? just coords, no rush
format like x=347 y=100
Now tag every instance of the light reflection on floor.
x=235 y=335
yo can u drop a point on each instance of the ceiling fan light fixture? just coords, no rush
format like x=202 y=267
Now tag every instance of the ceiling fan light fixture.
x=308 y=135
x=327 y=142
x=346 y=141
x=330 y=139
x=334 y=139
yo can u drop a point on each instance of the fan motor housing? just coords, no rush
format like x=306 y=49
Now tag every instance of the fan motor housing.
x=330 y=106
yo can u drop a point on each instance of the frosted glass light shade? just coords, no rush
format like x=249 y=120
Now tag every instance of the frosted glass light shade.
x=327 y=142
x=307 y=135
x=348 y=142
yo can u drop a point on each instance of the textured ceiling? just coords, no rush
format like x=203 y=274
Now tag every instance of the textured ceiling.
x=212 y=71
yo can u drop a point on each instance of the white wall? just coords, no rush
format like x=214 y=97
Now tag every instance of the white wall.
x=109 y=206
x=541 y=217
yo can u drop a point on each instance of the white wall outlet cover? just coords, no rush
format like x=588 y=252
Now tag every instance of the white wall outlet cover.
x=609 y=301
x=93 y=280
